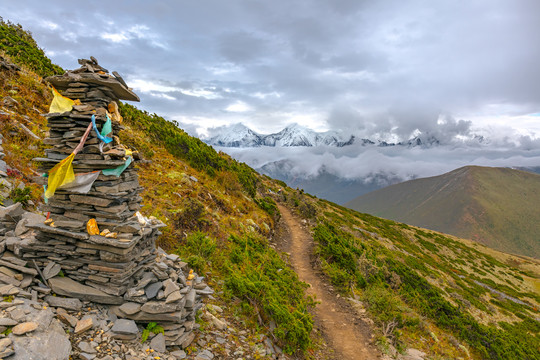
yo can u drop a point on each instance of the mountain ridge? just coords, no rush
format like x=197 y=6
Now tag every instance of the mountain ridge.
x=239 y=135
x=294 y=135
x=493 y=206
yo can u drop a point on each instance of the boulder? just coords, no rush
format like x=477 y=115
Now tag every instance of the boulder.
x=31 y=346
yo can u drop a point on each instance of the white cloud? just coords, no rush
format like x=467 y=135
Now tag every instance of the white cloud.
x=49 y=25
x=262 y=96
x=204 y=93
x=238 y=107
x=528 y=124
x=146 y=86
x=134 y=32
x=115 y=37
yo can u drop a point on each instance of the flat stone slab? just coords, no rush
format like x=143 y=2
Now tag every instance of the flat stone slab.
x=158 y=343
x=66 y=318
x=130 y=308
x=123 y=93
x=19 y=268
x=51 y=270
x=174 y=317
x=58 y=231
x=12 y=212
x=7 y=322
x=190 y=298
x=83 y=325
x=158 y=307
x=66 y=303
x=102 y=240
x=24 y=328
x=68 y=287
x=90 y=200
x=152 y=289
x=8 y=290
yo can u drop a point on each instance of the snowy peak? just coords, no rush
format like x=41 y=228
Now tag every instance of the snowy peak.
x=294 y=135
x=239 y=135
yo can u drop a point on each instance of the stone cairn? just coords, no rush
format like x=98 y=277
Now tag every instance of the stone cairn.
x=121 y=265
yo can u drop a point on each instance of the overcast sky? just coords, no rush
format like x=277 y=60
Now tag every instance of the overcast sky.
x=373 y=67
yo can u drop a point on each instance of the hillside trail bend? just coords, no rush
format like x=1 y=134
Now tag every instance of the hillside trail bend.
x=346 y=333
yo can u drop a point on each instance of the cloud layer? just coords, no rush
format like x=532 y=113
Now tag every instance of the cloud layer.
x=365 y=162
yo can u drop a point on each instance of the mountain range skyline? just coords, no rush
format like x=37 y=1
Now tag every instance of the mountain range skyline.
x=240 y=135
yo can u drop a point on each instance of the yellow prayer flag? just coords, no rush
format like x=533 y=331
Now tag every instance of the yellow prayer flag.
x=59 y=175
x=61 y=103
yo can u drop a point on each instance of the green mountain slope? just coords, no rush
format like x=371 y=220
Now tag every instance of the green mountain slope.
x=497 y=207
x=449 y=297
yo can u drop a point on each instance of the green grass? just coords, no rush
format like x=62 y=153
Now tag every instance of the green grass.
x=256 y=274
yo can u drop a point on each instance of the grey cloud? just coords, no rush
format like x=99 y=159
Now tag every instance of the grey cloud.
x=377 y=67
x=241 y=46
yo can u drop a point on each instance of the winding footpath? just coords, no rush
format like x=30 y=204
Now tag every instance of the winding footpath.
x=345 y=334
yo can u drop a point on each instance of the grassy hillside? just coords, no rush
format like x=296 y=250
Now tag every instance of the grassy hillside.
x=497 y=207
x=451 y=297
x=446 y=296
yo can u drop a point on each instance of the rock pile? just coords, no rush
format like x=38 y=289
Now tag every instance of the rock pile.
x=96 y=246
x=105 y=260
x=35 y=316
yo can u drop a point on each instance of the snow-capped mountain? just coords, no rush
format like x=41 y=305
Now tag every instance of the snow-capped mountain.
x=239 y=135
x=297 y=135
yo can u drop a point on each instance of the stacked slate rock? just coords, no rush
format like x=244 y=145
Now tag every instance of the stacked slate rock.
x=105 y=263
x=164 y=294
x=123 y=269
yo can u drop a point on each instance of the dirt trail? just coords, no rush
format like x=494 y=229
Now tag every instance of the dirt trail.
x=344 y=332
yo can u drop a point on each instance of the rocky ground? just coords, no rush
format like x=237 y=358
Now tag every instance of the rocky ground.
x=31 y=315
